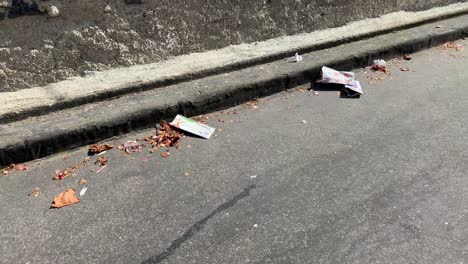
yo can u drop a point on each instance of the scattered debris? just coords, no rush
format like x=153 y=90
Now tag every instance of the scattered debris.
x=64 y=199
x=311 y=88
x=96 y=149
x=253 y=176
x=192 y=126
x=165 y=136
x=5 y=172
x=404 y=69
x=131 y=146
x=255 y=225
x=253 y=103
x=83 y=191
x=165 y=154
x=221 y=120
x=452 y=45
x=379 y=65
x=201 y=118
x=304 y=122
x=297 y=57
x=438 y=26
x=407 y=57
x=102 y=162
x=35 y=192
x=186 y=174
x=62 y=174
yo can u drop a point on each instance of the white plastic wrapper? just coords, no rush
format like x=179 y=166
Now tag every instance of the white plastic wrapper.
x=297 y=57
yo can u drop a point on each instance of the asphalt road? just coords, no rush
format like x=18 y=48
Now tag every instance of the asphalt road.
x=381 y=179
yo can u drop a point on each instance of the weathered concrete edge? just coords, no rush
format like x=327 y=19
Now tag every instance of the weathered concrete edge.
x=21 y=150
x=41 y=100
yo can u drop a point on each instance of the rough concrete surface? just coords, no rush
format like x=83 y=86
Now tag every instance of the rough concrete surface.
x=381 y=179
x=102 y=85
x=46 y=134
x=47 y=41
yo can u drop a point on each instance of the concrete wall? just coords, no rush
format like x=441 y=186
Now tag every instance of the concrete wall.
x=44 y=41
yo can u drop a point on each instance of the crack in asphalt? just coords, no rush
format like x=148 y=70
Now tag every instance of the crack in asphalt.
x=198 y=226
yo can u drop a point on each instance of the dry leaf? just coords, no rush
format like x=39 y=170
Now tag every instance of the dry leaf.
x=404 y=69
x=5 y=172
x=22 y=167
x=83 y=182
x=62 y=174
x=165 y=136
x=407 y=57
x=102 y=161
x=96 y=149
x=165 y=154
x=66 y=198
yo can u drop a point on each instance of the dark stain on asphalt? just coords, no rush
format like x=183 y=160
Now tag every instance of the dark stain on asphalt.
x=198 y=226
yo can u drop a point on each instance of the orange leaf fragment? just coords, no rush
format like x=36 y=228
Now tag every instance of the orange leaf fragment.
x=165 y=154
x=66 y=198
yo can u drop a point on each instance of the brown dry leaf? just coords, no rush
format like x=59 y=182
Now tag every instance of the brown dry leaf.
x=35 y=192
x=407 y=57
x=165 y=154
x=66 y=198
x=21 y=167
x=101 y=161
x=96 y=148
x=165 y=136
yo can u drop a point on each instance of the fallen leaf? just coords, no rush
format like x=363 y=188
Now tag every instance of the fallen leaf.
x=120 y=147
x=5 y=172
x=221 y=120
x=96 y=149
x=66 y=198
x=83 y=182
x=407 y=57
x=165 y=136
x=102 y=161
x=22 y=167
x=165 y=154
x=35 y=192
x=404 y=69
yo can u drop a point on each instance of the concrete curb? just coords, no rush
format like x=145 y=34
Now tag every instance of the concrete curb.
x=108 y=84
x=41 y=136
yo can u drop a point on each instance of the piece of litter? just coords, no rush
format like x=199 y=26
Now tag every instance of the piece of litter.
x=297 y=57
x=351 y=86
x=83 y=182
x=35 y=192
x=165 y=154
x=102 y=168
x=166 y=136
x=192 y=126
x=102 y=161
x=255 y=225
x=255 y=107
x=66 y=198
x=186 y=174
x=253 y=176
x=83 y=191
x=304 y=122
x=315 y=93
x=404 y=69
x=438 y=26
